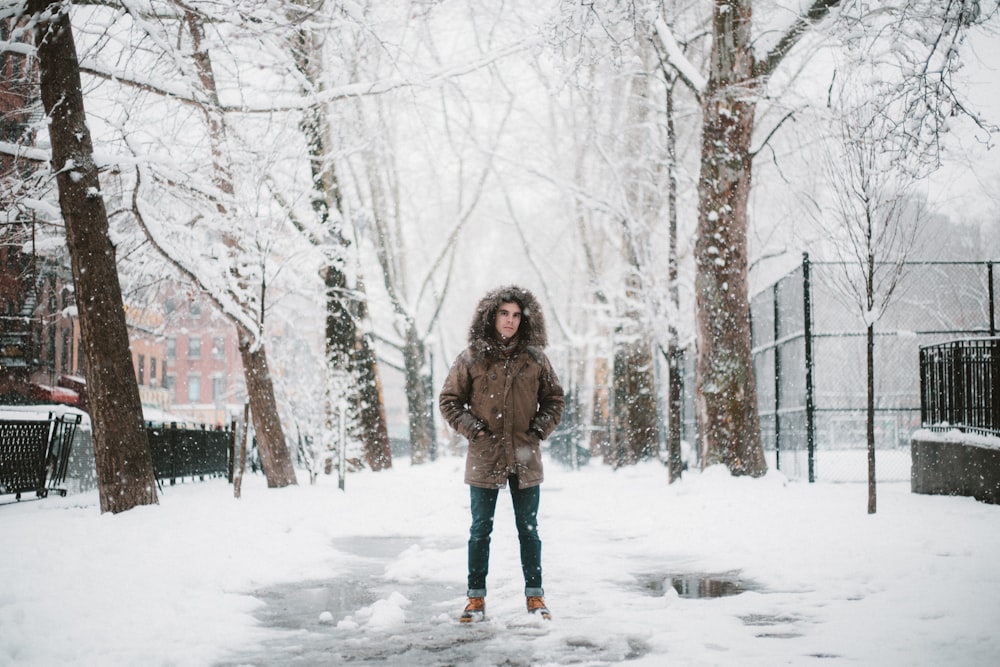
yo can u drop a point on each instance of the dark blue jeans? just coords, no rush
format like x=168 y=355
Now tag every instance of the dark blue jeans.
x=484 y=503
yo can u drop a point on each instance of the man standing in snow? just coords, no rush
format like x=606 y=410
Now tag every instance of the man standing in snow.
x=503 y=395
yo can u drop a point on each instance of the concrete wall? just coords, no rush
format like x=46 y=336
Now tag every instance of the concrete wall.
x=956 y=464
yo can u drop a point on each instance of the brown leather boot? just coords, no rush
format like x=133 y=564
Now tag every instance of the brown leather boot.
x=536 y=605
x=475 y=611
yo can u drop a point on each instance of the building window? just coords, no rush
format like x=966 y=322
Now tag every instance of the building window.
x=195 y=309
x=194 y=347
x=194 y=389
x=171 y=347
x=141 y=367
x=152 y=371
x=218 y=389
x=169 y=382
x=218 y=347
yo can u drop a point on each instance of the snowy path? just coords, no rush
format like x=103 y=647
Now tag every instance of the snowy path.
x=365 y=626
x=367 y=616
x=632 y=570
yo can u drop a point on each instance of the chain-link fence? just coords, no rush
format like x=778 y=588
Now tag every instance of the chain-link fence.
x=809 y=349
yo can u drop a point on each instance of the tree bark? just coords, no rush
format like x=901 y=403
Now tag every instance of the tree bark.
x=600 y=434
x=635 y=417
x=870 y=418
x=241 y=456
x=726 y=393
x=418 y=398
x=124 y=465
x=675 y=355
x=274 y=456
x=371 y=408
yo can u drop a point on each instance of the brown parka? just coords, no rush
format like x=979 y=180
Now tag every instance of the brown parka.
x=503 y=401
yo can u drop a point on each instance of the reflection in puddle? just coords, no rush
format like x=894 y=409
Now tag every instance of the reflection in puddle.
x=697 y=585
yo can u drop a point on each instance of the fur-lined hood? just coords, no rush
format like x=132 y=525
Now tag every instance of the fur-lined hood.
x=530 y=333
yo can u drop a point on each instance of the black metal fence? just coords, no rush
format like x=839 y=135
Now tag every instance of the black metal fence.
x=809 y=343
x=50 y=453
x=34 y=454
x=960 y=386
x=190 y=452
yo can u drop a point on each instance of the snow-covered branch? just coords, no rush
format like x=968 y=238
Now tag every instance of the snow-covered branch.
x=24 y=152
x=817 y=12
x=672 y=53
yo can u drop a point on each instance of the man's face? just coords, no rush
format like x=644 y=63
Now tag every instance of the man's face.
x=508 y=320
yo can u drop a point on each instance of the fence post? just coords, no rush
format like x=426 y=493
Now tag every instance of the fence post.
x=958 y=386
x=924 y=386
x=942 y=395
x=777 y=376
x=807 y=332
x=993 y=386
x=171 y=441
x=992 y=298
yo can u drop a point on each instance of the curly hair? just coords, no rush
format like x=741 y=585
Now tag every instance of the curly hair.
x=531 y=331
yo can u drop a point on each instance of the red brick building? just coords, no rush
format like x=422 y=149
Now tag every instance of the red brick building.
x=203 y=371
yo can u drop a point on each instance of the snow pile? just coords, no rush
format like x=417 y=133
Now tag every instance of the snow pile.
x=384 y=614
x=955 y=435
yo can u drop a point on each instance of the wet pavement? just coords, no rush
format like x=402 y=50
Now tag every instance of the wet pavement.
x=696 y=585
x=358 y=618
x=317 y=623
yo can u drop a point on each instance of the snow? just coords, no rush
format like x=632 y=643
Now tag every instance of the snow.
x=375 y=573
x=675 y=55
x=957 y=435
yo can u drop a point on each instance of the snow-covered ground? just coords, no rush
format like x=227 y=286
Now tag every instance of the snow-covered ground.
x=375 y=574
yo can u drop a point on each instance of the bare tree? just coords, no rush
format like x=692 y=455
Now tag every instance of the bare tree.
x=121 y=449
x=872 y=181
x=674 y=352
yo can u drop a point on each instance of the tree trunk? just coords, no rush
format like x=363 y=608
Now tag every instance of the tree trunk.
x=870 y=425
x=635 y=416
x=726 y=393
x=275 y=458
x=417 y=399
x=240 y=463
x=371 y=409
x=675 y=356
x=600 y=434
x=121 y=448
x=348 y=349
x=675 y=389
x=870 y=243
